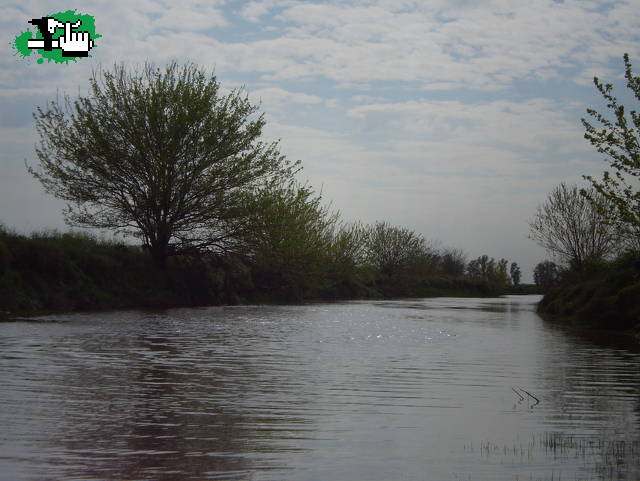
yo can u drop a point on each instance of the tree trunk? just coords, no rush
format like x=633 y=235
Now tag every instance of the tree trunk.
x=159 y=253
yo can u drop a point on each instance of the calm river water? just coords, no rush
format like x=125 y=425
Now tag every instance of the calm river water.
x=431 y=389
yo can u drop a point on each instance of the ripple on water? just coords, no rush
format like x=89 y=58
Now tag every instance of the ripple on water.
x=419 y=389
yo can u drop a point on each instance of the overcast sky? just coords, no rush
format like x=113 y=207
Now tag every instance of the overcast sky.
x=453 y=118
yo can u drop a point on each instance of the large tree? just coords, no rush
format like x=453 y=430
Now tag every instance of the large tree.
x=289 y=238
x=546 y=275
x=515 y=274
x=479 y=268
x=390 y=248
x=489 y=270
x=573 y=228
x=618 y=137
x=157 y=153
x=453 y=262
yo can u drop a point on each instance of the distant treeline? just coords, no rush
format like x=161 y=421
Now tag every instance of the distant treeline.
x=76 y=271
x=160 y=155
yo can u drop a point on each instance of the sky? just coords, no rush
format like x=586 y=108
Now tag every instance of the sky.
x=452 y=118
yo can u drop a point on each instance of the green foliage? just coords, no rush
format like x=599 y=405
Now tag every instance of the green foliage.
x=297 y=251
x=515 y=274
x=478 y=268
x=498 y=275
x=391 y=249
x=592 y=289
x=70 y=271
x=398 y=256
x=159 y=154
x=605 y=296
x=50 y=271
x=288 y=237
x=453 y=262
x=489 y=271
x=546 y=275
x=618 y=139
x=348 y=273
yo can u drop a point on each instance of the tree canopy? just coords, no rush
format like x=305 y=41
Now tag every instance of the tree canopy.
x=157 y=153
x=515 y=274
x=571 y=227
x=619 y=139
x=289 y=237
x=546 y=275
x=392 y=248
x=489 y=270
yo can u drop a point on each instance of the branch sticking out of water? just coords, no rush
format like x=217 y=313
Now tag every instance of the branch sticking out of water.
x=531 y=396
x=519 y=395
x=537 y=401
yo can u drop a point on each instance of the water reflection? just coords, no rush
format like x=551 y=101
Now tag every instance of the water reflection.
x=418 y=389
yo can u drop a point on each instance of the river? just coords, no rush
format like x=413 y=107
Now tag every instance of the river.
x=428 y=389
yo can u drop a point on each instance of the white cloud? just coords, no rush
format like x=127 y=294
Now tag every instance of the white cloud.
x=404 y=110
x=190 y=15
x=274 y=96
x=483 y=47
x=534 y=124
x=254 y=11
x=480 y=46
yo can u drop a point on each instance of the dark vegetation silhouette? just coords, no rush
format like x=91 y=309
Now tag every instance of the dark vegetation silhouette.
x=617 y=136
x=54 y=271
x=602 y=294
x=595 y=232
x=546 y=275
x=219 y=215
x=157 y=154
x=515 y=274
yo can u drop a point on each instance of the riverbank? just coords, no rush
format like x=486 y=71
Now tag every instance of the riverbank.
x=606 y=296
x=63 y=272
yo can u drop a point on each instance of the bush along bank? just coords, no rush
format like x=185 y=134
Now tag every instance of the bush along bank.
x=55 y=272
x=603 y=295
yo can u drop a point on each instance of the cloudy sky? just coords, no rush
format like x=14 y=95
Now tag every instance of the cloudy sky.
x=450 y=117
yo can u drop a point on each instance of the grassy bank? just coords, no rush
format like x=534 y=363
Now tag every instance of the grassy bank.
x=72 y=271
x=66 y=272
x=603 y=296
